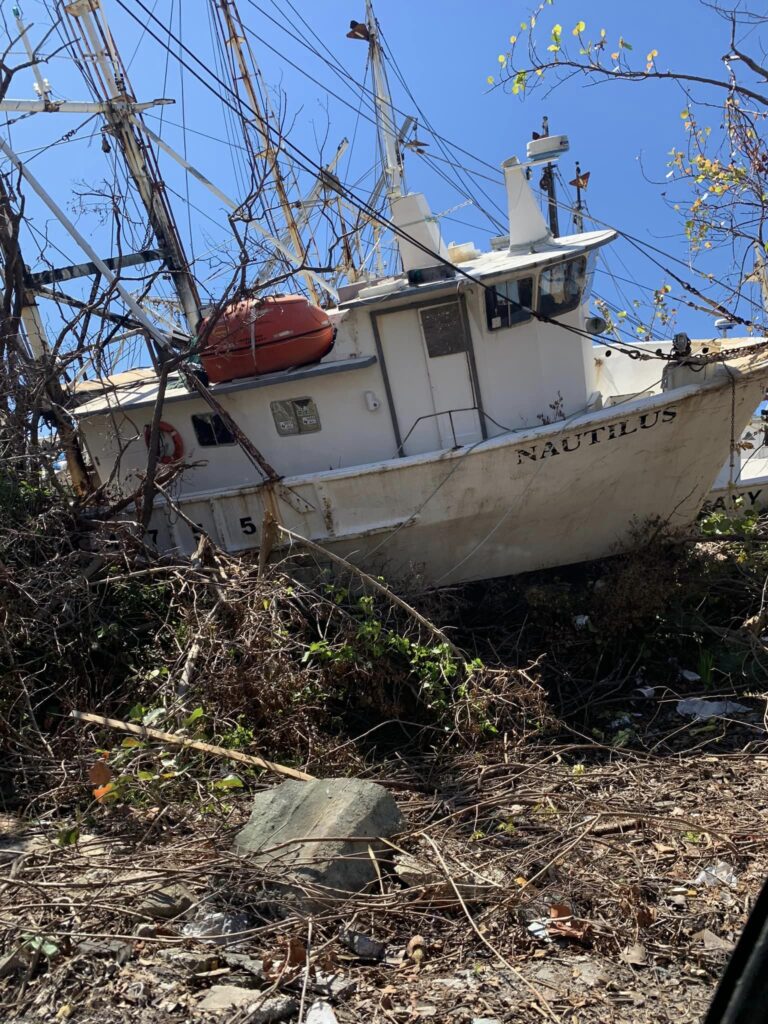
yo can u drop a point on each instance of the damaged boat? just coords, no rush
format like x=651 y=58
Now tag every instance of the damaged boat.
x=452 y=421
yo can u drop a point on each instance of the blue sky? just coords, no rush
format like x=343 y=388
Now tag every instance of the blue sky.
x=620 y=132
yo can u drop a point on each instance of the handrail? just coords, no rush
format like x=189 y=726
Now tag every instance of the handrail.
x=449 y=413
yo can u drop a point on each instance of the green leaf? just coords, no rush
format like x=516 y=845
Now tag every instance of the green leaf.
x=144 y=776
x=137 y=712
x=155 y=715
x=228 y=782
x=68 y=836
x=193 y=717
x=130 y=741
x=43 y=943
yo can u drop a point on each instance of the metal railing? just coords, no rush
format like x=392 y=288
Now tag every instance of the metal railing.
x=450 y=413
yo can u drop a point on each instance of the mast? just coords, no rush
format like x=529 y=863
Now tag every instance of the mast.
x=324 y=183
x=104 y=70
x=385 y=113
x=236 y=41
x=579 y=182
x=548 y=184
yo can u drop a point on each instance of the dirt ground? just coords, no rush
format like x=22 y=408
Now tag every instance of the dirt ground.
x=576 y=881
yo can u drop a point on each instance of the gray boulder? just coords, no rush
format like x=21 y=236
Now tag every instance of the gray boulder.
x=312 y=839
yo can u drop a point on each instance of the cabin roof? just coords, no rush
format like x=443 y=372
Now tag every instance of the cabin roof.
x=143 y=393
x=489 y=265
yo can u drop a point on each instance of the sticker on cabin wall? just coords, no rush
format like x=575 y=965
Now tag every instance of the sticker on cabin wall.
x=587 y=438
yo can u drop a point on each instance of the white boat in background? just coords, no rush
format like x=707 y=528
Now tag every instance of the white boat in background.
x=741 y=485
x=463 y=426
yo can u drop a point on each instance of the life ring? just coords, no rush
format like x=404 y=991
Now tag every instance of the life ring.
x=173 y=434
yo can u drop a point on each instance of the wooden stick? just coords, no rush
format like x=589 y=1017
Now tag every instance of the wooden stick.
x=183 y=741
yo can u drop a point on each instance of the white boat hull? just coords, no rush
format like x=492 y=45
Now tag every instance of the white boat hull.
x=562 y=493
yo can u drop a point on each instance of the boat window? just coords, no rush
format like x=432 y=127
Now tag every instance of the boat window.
x=211 y=431
x=295 y=416
x=443 y=328
x=562 y=286
x=509 y=303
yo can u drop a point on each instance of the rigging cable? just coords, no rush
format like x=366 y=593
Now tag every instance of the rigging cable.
x=307 y=163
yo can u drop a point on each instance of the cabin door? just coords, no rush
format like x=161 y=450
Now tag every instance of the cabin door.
x=428 y=358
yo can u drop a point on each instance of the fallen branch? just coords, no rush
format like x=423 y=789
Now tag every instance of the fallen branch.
x=325 y=553
x=183 y=741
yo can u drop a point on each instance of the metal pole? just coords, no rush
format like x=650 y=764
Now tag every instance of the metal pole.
x=235 y=41
x=578 y=217
x=289 y=254
x=385 y=115
x=548 y=184
x=192 y=381
x=138 y=156
x=102 y=267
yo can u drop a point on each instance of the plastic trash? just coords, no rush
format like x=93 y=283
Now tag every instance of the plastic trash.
x=702 y=710
x=540 y=929
x=717 y=874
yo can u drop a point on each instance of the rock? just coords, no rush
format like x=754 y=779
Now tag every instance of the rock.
x=188 y=962
x=146 y=931
x=121 y=951
x=283 y=818
x=217 y=927
x=243 y=962
x=363 y=945
x=10 y=964
x=434 y=887
x=228 y=997
x=635 y=955
x=321 y=1012
x=335 y=986
x=261 y=1010
x=165 y=903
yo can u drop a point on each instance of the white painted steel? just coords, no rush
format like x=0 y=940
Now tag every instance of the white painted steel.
x=564 y=493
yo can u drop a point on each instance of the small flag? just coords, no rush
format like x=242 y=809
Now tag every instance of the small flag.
x=581 y=181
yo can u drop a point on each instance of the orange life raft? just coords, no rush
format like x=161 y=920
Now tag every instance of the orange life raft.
x=266 y=335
